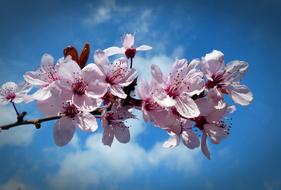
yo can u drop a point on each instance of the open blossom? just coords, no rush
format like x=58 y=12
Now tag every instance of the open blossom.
x=177 y=127
x=179 y=86
x=73 y=117
x=84 y=86
x=189 y=138
x=150 y=108
x=44 y=78
x=11 y=92
x=113 y=124
x=211 y=124
x=128 y=48
x=117 y=75
x=225 y=79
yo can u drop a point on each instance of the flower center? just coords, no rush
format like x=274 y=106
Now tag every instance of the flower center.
x=79 y=87
x=70 y=110
x=10 y=96
x=172 y=91
x=200 y=121
x=217 y=79
x=130 y=52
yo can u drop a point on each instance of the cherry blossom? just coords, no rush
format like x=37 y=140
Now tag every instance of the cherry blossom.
x=113 y=124
x=189 y=138
x=72 y=116
x=44 y=78
x=150 y=107
x=179 y=86
x=225 y=79
x=188 y=103
x=128 y=49
x=210 y=123
x=84 y=86
x=117 y=75
x=11 y=92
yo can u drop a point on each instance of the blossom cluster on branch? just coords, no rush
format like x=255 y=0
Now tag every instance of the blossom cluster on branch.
x=189 y=103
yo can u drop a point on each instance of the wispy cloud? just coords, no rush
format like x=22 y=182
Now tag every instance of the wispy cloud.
x=96 y=163
x=18 y=136
x=104 y=12
x=13 y=184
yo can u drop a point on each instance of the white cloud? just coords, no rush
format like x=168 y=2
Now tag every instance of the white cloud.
x=104 y=13
x=19 y=136
x=94 y=164
x=140 y=20
x=142 y=64
x=141 y=23
x=13 y=184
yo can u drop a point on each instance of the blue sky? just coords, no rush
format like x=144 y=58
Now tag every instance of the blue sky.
x=248 y=159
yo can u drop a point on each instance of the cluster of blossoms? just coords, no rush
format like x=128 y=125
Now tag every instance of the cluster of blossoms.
x=188 y=103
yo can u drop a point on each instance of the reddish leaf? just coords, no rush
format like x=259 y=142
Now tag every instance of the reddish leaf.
x=84 y=55
x=70 y=50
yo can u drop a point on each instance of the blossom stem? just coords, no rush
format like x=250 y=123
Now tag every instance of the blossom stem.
x=15 y=108
x=131 y=62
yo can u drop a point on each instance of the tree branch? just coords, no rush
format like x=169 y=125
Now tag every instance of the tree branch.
x=37 y=122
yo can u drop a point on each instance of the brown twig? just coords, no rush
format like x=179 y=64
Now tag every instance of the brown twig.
x=37 y=122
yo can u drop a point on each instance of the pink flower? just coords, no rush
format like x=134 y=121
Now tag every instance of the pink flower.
x=117 y=75
x=152 y=111
x=211 y=124
x=72 y=117
x=11 y=92
x=113 y=124
x=225 y=79
x=83 y=86
x=179 y=86
x=44 y=78
x=150 y=108
x=189 y=138
x=128 y=48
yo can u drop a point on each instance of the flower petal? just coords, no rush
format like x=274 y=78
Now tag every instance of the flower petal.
x=165 y=101
x=113 y=51
x=216 y=97
x=173 y=141
x=42 y=94
x=87 y=122
x=204 y=147
x=100 y=57
x=121 y=132
x=34 y=78
x=235 y=70
x=215 y=133
x=85 y=102
x=186 y=107
x=157 y=73
x=92 y=72
x=47 y=60
x=143 y=48
x=190 y=139
x=108 y=135
x=69 y=70
x=117 y=91
x=50 y=106
x=129 y=78
x=63 y=131
x=97 y=89
x=240 y=94
x=129 y=41
x=3 y=101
